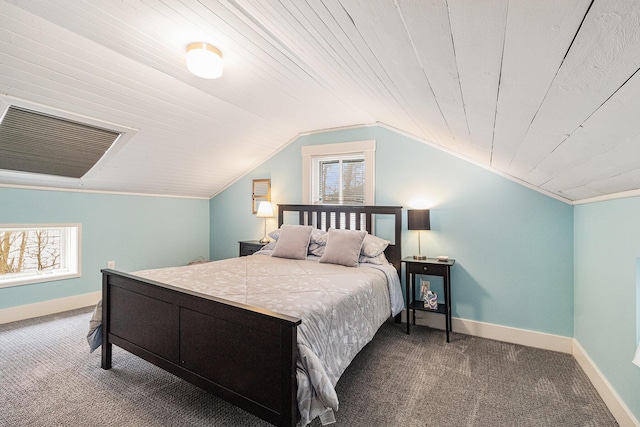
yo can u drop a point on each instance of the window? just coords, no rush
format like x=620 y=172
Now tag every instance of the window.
x=340 y=174
x=38 y=253
x=339 y=180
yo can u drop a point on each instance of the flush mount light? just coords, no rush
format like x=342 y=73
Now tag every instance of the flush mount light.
x=204 y=60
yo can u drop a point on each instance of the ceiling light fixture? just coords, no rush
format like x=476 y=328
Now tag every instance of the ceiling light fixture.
x=204 y=60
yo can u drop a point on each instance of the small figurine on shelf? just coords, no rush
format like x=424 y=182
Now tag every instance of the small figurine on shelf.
x=429 y=297
x=431 y=300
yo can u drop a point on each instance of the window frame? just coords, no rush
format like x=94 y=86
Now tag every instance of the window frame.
x=71 y=246
x=364 y=148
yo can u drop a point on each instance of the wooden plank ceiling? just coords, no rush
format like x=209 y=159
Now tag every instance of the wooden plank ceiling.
x=543 y=91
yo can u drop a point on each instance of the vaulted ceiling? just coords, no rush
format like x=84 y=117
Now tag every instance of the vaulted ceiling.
x=544 y=91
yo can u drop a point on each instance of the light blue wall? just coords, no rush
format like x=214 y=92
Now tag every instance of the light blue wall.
x=513 y=245
x=136 y=232
x=607 y=247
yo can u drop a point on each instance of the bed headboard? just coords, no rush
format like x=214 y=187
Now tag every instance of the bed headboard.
x=350 y=217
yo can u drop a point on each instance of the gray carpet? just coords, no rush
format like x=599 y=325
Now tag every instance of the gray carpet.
x=48 y=378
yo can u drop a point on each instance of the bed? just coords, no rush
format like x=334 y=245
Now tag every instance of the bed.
x=234 y=347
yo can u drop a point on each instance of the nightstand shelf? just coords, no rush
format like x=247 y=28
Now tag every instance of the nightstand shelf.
x=419 y=305
x=427 y=267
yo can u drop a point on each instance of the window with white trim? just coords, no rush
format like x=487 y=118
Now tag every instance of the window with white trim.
x=38 y=253
x=340 y=174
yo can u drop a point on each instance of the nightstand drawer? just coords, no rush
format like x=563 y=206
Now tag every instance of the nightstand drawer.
x=250 y=247
x=428 y=269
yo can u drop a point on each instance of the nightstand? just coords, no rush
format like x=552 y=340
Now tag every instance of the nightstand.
x=248 y=247
x=427 y=267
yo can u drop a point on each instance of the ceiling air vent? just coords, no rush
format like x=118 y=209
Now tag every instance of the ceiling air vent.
x=34 y=142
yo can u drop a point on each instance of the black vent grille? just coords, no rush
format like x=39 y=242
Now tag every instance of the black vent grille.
x=34 y=142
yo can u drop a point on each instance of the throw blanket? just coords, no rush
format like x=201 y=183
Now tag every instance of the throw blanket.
x=341 y=309
x=94 y=337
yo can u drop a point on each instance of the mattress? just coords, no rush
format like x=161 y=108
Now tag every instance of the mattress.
x=341 y=309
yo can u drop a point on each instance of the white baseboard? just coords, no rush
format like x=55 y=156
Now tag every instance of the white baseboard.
x=498 y=332
x=513 y=335
x=28 y=311
x=613 y=401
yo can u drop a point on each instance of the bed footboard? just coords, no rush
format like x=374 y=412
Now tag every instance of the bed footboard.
x=243 y=354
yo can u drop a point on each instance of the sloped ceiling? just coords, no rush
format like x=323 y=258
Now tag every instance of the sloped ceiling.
x=543 y=91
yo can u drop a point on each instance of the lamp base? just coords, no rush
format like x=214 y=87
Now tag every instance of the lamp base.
x=265 y=239
x=421 y=257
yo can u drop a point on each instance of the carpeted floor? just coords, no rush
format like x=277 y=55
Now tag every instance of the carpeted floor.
x=48 y=378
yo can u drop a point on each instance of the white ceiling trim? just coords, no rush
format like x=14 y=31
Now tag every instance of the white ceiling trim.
x=622 y=195
x=117 y=193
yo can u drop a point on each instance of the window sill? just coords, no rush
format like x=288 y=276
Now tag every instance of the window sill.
x=38 y=279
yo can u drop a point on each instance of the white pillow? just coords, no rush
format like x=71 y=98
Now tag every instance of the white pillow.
x=343 y=247
x=317 y=243
x=377 y=260
x=269 y=246
x=275 y=234
x=373 y=246
x=293 y=241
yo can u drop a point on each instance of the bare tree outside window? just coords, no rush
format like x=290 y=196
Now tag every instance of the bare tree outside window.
x=34 y=253
x=341 y=181
x=25 y=251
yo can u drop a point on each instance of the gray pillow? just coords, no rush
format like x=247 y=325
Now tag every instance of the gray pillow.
x=316 y=234
x=293 y=242
x=343 y=247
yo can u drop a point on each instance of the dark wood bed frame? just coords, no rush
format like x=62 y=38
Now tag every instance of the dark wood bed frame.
x=246 y=355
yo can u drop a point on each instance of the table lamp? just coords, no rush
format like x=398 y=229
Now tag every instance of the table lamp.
x=265 y=211
x=418 y=219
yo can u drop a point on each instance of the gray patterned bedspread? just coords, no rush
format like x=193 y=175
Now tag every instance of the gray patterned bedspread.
x=341 y=309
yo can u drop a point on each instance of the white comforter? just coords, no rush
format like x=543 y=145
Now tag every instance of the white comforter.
x=341 y=309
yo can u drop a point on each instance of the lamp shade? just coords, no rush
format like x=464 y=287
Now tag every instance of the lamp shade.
x=418 y=219
x=204 y=60
x=264 y=210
